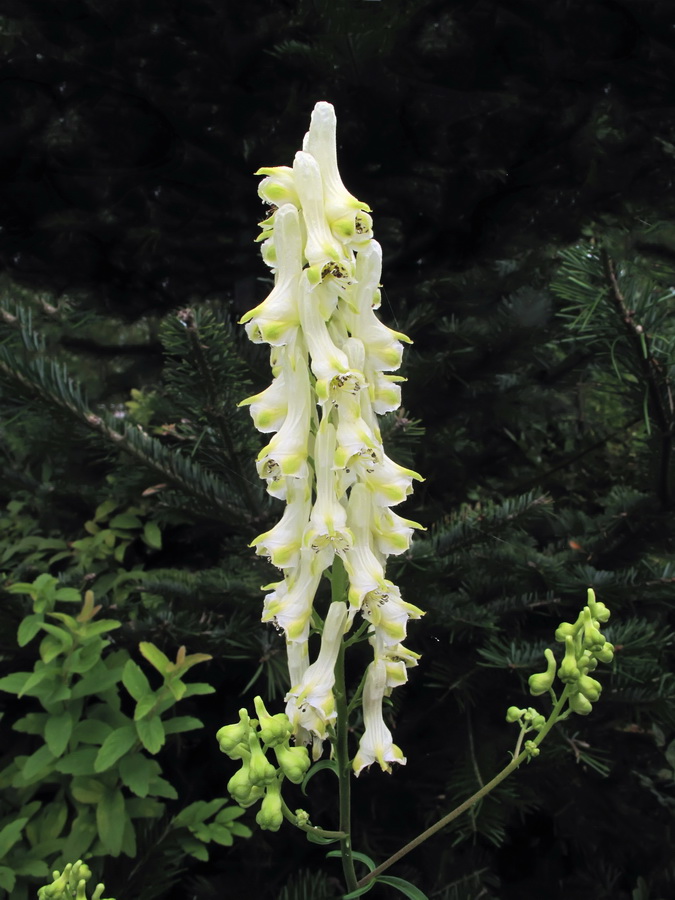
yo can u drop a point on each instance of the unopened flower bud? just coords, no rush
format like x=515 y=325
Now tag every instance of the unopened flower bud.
x=293 y=761
x=580 y=704
x=270 y=816
x=543 y=682
x=229 y=736
x=513 y=714
x=274 y=730
x=569 y=671
x=598 y=610
x=590 y=688
x=605 y=654
x=531 y=749
x=301 y=817
x=593 y=639
x=261 y=772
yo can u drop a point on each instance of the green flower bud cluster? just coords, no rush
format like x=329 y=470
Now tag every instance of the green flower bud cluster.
x=258 y=779
x=585 y=647
x=529 y=719
x=71 y=884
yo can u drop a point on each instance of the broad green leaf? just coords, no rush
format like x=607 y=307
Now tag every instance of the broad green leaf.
x=135 y=681
x=198 y=811
x=34 y=679
x=110 y=820
x=87 y=790
x=8 y=878
x=91 y=731
x=68 y=595
x=137 y=771
x=33 y=723
x=145 y=706
x=405 y=887
x=151 y=734
x=15 y=682
x=226 y=815
x=182 y=723
x=160 y=787
x=52 y=820
x=58 y=731
x=28 y=629
x=155 y=657
x=145 y=808
x=10 y=834
x=50 y=648
x=177 y=688
x=221 y=834
x=129 y=839
x=125 y=520
x=93 y=629
x=85 y=658
x=199 y=687
x=104 y=509
x=36 y=868
x=79 y=762
x=115 y=745
x=37 y=763
x=152 y=535
x=97 y=681
x=192 y=846
x=82 y=835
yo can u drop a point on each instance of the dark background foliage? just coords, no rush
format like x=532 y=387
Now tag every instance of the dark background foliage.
x=487 y=137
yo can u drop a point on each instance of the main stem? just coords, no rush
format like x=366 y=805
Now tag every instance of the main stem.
x=471 y=801
x=338 y=594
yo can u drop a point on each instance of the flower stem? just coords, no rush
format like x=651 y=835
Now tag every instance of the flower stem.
x=471 y=801
x=338 y=594
x=309 y=829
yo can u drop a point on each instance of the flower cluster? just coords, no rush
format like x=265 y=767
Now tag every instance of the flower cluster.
x=332 y=361
x=258 y=779
x=71 y=884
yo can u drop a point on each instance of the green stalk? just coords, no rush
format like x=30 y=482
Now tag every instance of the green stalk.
x=344 y=769
x=471 y=801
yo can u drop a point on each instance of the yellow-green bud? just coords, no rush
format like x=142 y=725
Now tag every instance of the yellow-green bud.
x=260 y=771
x=598 y=610
x=537 y=721
x=569 y=671
x=531 y=749
x=513 y=714
x=229 y=736
x=294 y=762
x=301 y=817
x=270 y=816
x=543 y=682
x=593 y=639
x=590 y=688
x=606 y=654
x=580 y=704
x=239 y=786
x=274 y=730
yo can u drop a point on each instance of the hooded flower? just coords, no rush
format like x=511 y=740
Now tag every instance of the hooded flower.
x=376 y=745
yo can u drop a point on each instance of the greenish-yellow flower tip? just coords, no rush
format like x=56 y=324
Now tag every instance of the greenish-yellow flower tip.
x=593 y=640
x=542 y=682
x=606 y=654
x=294 y=762
x=81 y=893
x=590 y=688
x=270 y=816
x=580 y=704
x=274 y=730
x=230 y=736
x=513 y=714
x=260 y=771
x=531 y=749
x=569 y=671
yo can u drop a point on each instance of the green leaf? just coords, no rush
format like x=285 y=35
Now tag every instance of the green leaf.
x=28 y=629
x=194 y=847
x=115 y=745
x=155 y=657
x=177 y=688
x=87 y=790
x=135 y=681
x=36 y=763
x=8 y=878
x=199 y=687
x=15 y=682
x=58 y=731
x=68 y=595
x=359 y=892
x=182 y=723
x=151 y=734
x=91 y=731
x=160 y=787
x=79 y=762
x=33 y=723
x=152 y=535
x=221 y=835
x=125 y=520
x=314 y=838
x=137 y=772
x=144 y=707
x=110 y=819
x=405 y=887
x=34 y=679
x=198 y=811
x=145 y=808
x=361 y=857
x=97 y=681
x=10 y=834
x=82 y=835
x=93 y=629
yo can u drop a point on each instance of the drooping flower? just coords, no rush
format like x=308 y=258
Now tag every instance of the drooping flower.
x=377 y=744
